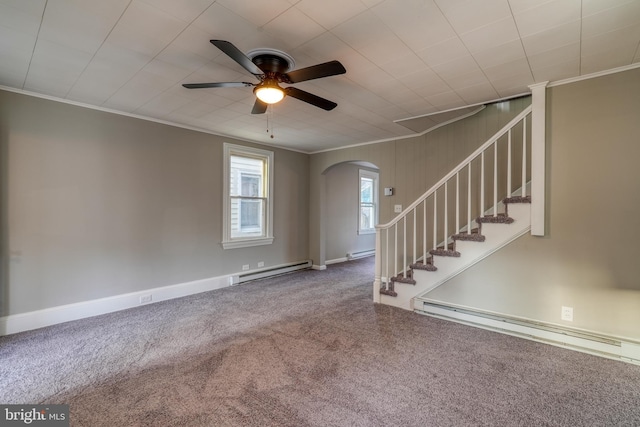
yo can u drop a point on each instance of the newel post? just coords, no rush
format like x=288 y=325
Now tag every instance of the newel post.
x=378 y=269
x=538 y=168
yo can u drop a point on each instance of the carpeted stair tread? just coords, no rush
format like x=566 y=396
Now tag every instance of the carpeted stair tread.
x=517 y=199
x=474 y=236
x=424 y=267
x=407 y=280
x=445 y=252
x=499 y=219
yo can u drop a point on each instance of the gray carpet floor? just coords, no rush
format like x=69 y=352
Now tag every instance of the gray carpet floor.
x=307 y=349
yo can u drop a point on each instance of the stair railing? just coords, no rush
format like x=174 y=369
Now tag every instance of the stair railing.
x=434 y=217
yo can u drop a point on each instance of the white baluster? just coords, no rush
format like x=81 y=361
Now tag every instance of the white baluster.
x=386 y=264
x=469 y=200
x=414 y=235
x=446 y=219
x=395 y=253
x=435 y=219
x=457 y=203
x=495 y=179
x=404 y=250
x=509 y=164
x=424 y=234
x=482 y=184
x=524 y=157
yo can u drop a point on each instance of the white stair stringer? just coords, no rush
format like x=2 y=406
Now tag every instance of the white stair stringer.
x=496 y=236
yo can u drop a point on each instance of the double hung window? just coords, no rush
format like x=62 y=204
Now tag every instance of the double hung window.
x=247 y=199
x=368 y=205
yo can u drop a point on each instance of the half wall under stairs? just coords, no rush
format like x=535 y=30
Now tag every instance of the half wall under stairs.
x=491 y=234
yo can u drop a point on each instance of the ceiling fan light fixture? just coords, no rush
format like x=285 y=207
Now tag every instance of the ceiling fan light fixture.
x=269 y=94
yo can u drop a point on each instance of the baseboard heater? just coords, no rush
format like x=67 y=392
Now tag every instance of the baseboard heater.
x=584 y=341
x=273 y=271
x=360 y=254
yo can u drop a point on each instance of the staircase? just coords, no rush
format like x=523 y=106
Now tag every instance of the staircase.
x=476 y=209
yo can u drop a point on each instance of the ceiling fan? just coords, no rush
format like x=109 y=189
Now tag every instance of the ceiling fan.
x=270 y=67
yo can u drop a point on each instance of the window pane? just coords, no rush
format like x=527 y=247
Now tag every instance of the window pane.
x=367 y=217
x=247 y=217
x=250 y=214
x=250 y=185
x=246 y=176
x=366 y=190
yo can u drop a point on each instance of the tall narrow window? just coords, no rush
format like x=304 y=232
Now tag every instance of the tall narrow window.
x=247 y=204
x=368 y=212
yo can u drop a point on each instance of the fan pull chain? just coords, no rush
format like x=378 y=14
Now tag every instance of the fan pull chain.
x=270 y=119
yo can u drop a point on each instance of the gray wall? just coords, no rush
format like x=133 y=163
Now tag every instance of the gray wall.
x=96 y=204
x=342 y=212
x=588 y=259
x=409 y=165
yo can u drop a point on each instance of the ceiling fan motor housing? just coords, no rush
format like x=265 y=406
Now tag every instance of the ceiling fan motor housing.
x=273 y=66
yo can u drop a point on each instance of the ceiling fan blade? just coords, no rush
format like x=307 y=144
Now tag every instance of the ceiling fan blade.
x=310 y=98
x=237 y=55
x=223 y=84
x=326 y=69
x=259 y=107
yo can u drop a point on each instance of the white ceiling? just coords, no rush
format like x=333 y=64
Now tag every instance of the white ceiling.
x=404 y=58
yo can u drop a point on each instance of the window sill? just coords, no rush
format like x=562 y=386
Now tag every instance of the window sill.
x=366 y=232
x=247 y=243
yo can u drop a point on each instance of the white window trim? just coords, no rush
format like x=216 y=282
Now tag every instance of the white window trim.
x=375 y=177
x=227 y=241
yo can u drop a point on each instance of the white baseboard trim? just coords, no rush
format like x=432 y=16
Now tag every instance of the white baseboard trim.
x=318 y=267
x=604 y=346
x=336 y=261
x=15 y=323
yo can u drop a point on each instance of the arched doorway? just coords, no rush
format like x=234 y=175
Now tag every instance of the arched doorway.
x=351 y=194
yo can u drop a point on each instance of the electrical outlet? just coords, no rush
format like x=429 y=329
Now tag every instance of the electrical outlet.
x=397 y=208
x=261 y=264
x=245 y=267
x=145 y=299
x=566 y=313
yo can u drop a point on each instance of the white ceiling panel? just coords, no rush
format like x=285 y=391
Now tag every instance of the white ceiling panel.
x=443 y=52
x=500 y=54
x=330 y=13
x=294 y=28
x=55 y=68
x=604 y=61
x=257 y=12
x=162 y=105
x=518 y=69
x=403 y=58
x=469 y=15
x=590 y=7
x=611 y=19
x=491 y=35
x=546 y=16
x=22 y=16
x=145 y=29
x=554 y=56
x=185 y=10
x=65 y=19
x=625 y=40
x=557 y=71
x=477 y=93
x=550 y=39
x=417 y=23
x=16 y=50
